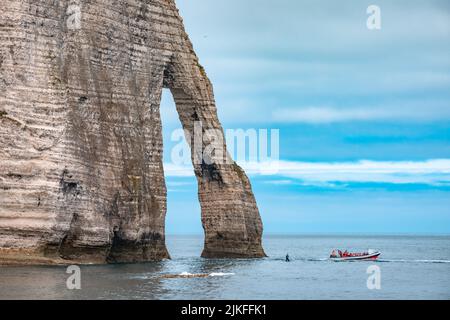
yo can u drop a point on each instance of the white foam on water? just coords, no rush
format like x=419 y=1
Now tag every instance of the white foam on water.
x=433 y=261
x=421 y=261
x=385 y=260
x=213 y=274
x=220 y=274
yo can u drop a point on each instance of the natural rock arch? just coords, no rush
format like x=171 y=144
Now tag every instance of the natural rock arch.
x=81 y=174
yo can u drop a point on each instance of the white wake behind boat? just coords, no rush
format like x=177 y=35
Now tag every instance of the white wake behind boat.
x=338 y=255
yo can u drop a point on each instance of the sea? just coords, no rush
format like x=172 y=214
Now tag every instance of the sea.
x=410 y=267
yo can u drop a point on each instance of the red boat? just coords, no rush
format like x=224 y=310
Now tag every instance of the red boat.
x=338 y=255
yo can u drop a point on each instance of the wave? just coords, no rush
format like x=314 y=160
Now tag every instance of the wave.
x=196 y=275
x=378 y=260
x=318 y=259
x=221 y=274
x=414 y=260
x=186 y=274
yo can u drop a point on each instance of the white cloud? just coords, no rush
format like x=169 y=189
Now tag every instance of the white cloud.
x=303 y=52
x=320 y=115
x=173 y=170
x=279 y=182
x=432 y=172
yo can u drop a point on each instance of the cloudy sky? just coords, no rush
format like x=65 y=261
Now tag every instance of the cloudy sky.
x=363 y=115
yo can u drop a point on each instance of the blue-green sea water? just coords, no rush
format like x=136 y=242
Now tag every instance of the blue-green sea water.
x=411 y=267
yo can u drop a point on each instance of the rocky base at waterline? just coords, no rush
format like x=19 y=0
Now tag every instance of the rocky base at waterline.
x=233 y=248
x=81 y=173
x=43 y=256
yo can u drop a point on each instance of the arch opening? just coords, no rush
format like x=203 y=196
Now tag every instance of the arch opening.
x=229 y=214
x=184 y=231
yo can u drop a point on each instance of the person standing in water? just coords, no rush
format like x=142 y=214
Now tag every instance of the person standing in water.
x=287 y=258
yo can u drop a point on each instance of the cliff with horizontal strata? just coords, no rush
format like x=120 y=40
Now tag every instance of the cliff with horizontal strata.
x=81 y=173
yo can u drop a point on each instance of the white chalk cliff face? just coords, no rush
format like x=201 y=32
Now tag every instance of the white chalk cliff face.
x=81 y=174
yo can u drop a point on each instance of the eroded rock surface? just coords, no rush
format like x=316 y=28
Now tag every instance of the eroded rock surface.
x=81 y=173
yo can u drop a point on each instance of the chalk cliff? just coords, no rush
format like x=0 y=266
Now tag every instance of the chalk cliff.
x=81 y=172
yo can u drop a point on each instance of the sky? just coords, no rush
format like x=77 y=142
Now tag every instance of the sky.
x=363 y=115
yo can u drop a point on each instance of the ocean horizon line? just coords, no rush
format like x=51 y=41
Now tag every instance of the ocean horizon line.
x=322 y=234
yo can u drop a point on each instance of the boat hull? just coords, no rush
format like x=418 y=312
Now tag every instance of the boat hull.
x=373 y=256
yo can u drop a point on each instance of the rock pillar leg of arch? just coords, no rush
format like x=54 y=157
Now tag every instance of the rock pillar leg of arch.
x=230 y=216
